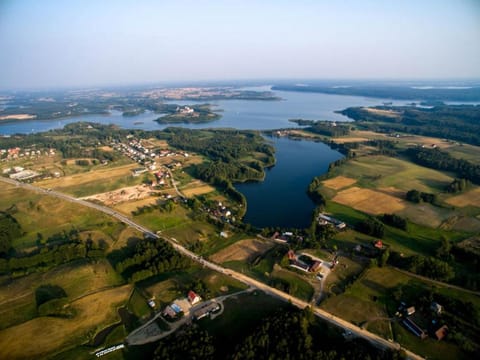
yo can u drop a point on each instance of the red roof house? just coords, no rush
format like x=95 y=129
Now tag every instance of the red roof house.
x=193 y=298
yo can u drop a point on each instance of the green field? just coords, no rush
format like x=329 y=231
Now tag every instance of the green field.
x=45 y=215
x=383 y=172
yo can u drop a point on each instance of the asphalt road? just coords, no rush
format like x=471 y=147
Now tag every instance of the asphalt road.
x=345 y=325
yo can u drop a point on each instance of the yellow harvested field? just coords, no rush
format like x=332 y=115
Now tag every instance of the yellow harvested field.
x=470 y=198
x=339 y=182
x=83 y=178
x=387 y=113
x=349 y=140
x=129 y=206
x=242 y=250
x=369 y=201
x=199 y=190
x=38 y=337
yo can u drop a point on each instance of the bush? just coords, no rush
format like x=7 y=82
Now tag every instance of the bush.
x=45 y=293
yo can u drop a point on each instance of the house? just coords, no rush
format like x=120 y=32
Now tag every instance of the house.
x=410 y=310
x=176 y=308
x=138 y=171
x=300 y=266
x=315 y=266
x=378 y=244
x=169 y=312
x=414 y=328
x=441 y=332
x=291 y=255
x=193 y=298
x=151 y=303
x=436 y=308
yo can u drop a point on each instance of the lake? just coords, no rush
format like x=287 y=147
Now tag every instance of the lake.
x=238 y=114
x=281 y=199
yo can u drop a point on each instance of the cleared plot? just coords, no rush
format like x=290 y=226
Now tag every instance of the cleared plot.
x=38 y=337
x=471 y=198
x=164 y=291
x=131 y=193
x=425 y=214
x=369 y=201
x=93 y=182
x=339 y=182
x=198 y=190
x=244 y=250
x=128 y=206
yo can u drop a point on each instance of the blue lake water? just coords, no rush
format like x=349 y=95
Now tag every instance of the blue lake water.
x=238 y=114
x=281 y=199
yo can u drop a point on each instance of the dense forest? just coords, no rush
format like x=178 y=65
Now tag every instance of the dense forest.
x=227 y=150
x=453 y=122
x=390 y=92
x=292 y=334
x=9 y=230
x=147 y=258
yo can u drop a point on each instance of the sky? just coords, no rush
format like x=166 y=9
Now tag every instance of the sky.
x=53 y=44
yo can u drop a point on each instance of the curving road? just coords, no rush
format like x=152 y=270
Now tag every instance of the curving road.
x=345 y=325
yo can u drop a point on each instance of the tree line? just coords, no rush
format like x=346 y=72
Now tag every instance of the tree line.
x=147 y=258
x=440 y=160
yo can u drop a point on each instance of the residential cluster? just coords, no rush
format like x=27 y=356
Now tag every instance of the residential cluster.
x=182 y=307
x=423 y=324
x=145 y=156
x=310 y=264
x=221 y=212
x=19 y=153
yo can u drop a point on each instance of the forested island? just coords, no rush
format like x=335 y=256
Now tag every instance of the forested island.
x=193 y=114
x=415 y=93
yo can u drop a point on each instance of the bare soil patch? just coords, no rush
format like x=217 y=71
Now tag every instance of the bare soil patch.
x=18 y=117
x=471 y=197
x=132 y=193
x=243 y=250
x=198 y=190
x=369 y=201
x=339 y=182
